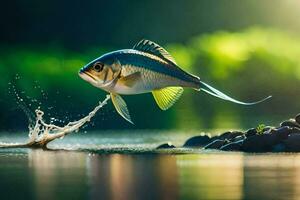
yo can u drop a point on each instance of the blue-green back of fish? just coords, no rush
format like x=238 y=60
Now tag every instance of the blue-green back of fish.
x=142 y=60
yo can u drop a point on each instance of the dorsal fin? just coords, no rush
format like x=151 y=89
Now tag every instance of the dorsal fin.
x=153 y=48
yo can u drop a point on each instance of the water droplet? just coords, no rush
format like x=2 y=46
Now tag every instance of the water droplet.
x=41 y=129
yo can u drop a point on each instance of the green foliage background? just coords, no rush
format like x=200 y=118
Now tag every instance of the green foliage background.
x=247 y=62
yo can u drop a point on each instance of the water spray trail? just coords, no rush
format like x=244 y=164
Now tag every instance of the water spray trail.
x=41 y=133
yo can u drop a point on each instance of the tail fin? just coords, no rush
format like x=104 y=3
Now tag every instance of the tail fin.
x=214 y=92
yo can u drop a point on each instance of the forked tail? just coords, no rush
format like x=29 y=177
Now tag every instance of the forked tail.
x=214 y=92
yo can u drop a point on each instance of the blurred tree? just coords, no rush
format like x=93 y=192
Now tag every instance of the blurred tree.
x=248 y=65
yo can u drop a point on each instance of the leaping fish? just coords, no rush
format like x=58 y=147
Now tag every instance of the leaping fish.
x=147 y=67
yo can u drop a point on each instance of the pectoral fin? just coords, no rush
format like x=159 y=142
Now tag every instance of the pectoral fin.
x=131 y=79
x=113 y=73
x=121 y=106
x=166 y=97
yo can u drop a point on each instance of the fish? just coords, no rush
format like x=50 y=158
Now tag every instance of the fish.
x=145 y=68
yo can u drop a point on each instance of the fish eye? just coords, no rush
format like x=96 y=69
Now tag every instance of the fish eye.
x=98 y=66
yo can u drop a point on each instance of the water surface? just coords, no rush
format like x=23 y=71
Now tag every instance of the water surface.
x=38 y=174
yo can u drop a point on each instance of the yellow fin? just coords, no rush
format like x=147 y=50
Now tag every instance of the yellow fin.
x=121 y=106
x=131 y=79
x=166 y=97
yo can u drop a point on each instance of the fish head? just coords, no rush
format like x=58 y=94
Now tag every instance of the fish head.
x=101 y=72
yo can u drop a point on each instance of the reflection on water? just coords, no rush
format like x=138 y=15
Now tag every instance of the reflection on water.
x=273 y=177
x=133 y=177
x=58 y=174
x=38 y=174
x=212 y=176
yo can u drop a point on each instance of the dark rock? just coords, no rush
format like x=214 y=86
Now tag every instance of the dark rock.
x=297 y=118
x=282 y=133
x=233 y=146
x=267 y=128
x=166 y=146
x=266 y=142
x=197 y=141
x=213 y=138
x=216 y=144
x=290 y=123
x=279 y=148
x=292 y=143
x=238 y=138
x=295 y=130
x=229 y=135
x=258 y=143
x=222 y=136
x=251 y=132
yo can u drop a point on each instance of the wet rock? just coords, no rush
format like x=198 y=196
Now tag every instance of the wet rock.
x=290 y=123
x=258 y=143
x=197 y=141
x=267 y=139
x=251 y=132
x=292 y=143
x=213 y=138
x=279 y=148
x=224 y=135
x=238 y=138
x=229 y=135
x=281 y=133
x=297 y=118
x=233 y=146
x=296 y=130
x=266 y=142
x=267 y=128
x=216 y=144
x=166 y=146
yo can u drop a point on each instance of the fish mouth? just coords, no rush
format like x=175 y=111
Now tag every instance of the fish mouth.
x=87 y=77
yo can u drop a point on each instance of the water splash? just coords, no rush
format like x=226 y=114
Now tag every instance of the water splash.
x=41 y=133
